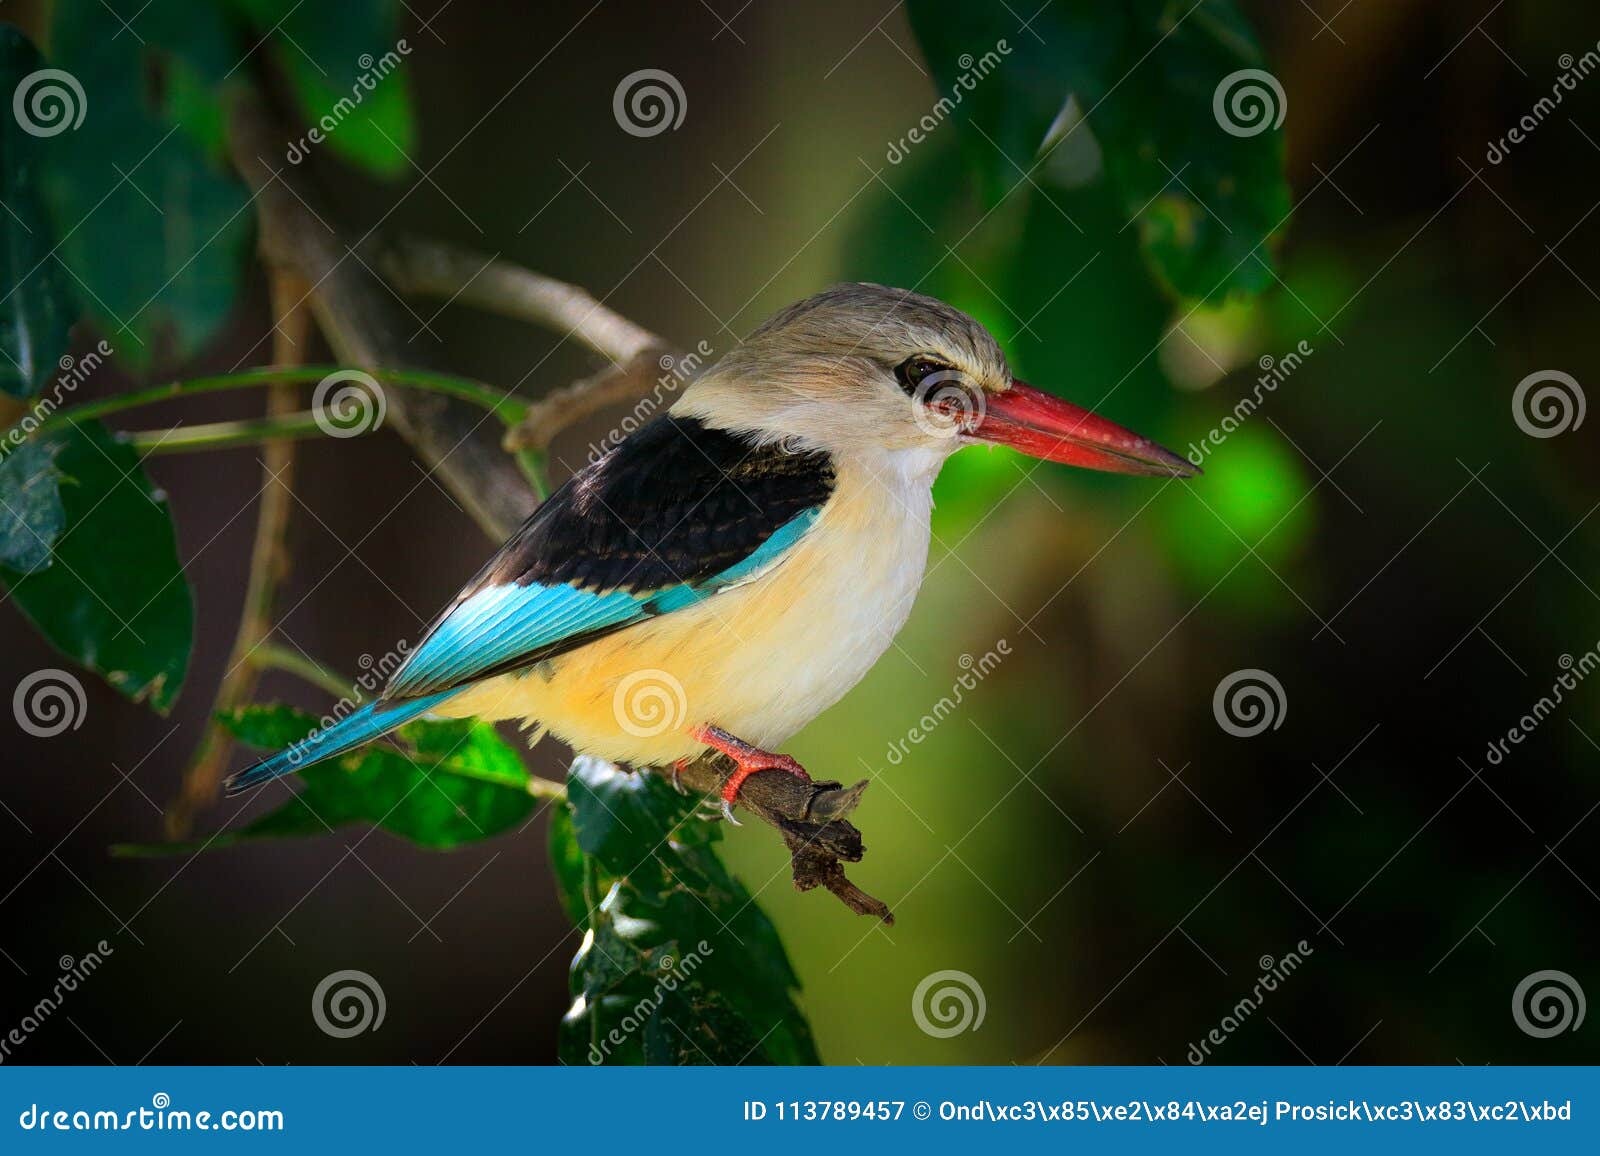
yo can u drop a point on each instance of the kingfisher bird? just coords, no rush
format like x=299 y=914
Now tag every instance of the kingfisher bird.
x=736 y=565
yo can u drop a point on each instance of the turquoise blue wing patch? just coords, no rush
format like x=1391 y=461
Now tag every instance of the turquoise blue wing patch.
x=505 y=626
x=764 y=555
x=496 y=626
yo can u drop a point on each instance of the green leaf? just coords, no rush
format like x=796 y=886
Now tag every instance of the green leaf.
x=449 y=783
x=154 y=223
x=270 y=727
x=636 y=853
x=112 y=595
x=31 y=514
x=39 y=306
x=620 y=817
x=1142 y=77
x=566 y=865
x=347 y=68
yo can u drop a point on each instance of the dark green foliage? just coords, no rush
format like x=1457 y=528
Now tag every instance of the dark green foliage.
x=630 y=852
x=31 y=514
x=448 y=783
x=39 y=306
x=1143 y=76
x=347 y=63
x=153 y=222
x=110 y=592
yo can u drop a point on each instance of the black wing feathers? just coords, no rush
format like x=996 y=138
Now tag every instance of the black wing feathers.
x=676 y=502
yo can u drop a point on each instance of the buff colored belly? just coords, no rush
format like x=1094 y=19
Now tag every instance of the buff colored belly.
x=760 y=660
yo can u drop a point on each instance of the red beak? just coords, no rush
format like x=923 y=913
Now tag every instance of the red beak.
x=1044 y=426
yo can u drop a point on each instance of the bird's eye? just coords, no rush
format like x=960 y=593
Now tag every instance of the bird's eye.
x=912 y=372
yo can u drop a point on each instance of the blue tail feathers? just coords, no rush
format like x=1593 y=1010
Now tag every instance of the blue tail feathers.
x=370 y=722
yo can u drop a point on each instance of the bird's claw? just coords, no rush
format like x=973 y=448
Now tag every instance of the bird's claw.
x=727 y=813
x=677 y=779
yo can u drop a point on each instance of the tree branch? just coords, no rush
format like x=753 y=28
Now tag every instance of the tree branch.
x=269 y=563
x=433 y=269
x=637 y=356
x=563 y=407
x=359 y=318
x=811 y=817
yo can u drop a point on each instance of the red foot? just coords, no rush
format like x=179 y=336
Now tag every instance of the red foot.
x=747 y=759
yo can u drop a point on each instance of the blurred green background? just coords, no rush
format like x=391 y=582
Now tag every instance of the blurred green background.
x=1079 y=836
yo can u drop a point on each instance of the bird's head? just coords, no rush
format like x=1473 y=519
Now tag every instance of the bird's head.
x=861 y=370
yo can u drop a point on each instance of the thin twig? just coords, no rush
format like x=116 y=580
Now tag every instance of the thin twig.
x=221 y=435
x=434 y=269
x=811 y=817
x=637 y=356
x=269 y=563
x=505 y=407
x=360 y=319
x=564 y=407
x=271 y=656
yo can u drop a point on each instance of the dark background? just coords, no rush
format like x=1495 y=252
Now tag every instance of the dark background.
x=1080 y=836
